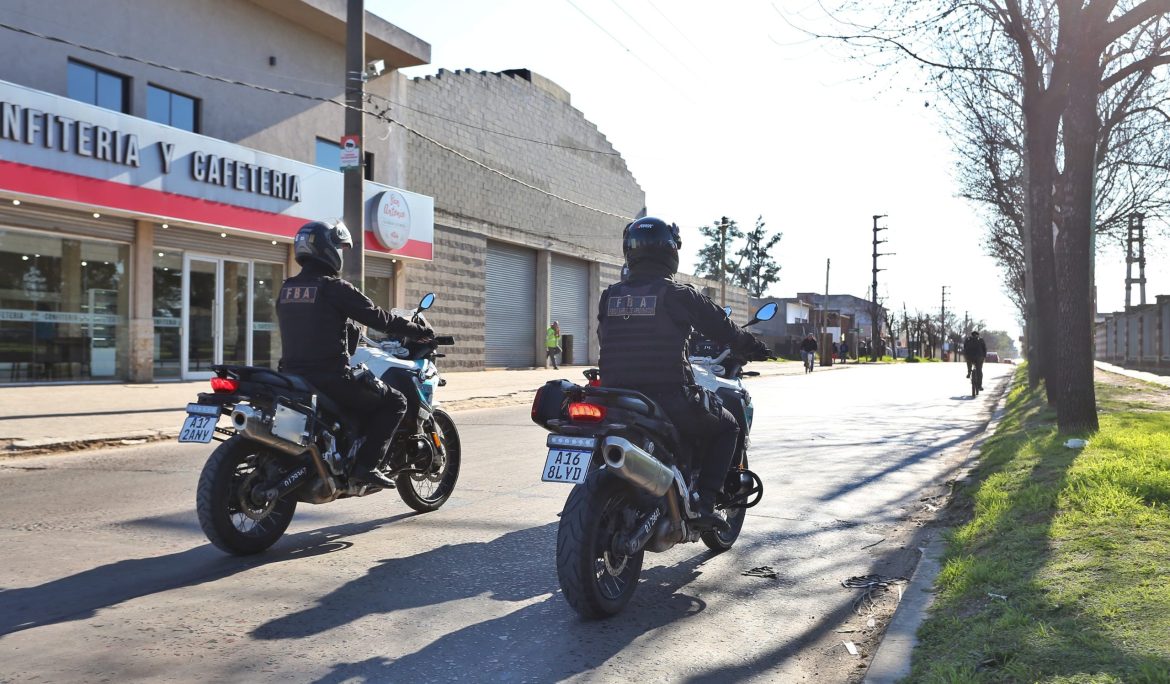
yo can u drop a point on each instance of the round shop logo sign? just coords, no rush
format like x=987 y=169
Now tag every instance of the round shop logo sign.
x=390 y=219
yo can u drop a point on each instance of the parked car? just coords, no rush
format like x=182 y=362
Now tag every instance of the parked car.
x=992 y=357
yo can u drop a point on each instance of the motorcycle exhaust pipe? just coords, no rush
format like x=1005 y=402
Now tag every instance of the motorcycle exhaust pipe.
x=254 y=425
x=636 y=466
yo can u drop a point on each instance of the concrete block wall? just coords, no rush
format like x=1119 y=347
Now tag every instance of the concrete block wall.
x=456 y=276
x=500 y=109
x=1138 y=338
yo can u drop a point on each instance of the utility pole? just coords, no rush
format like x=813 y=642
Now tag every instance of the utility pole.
x=875 y=326
x=723 y=261
x=942 y=321
x=1136 y=237
x=353 y=202
x=826 y=359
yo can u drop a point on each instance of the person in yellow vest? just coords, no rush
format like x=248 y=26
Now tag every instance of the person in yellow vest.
x=553 y=343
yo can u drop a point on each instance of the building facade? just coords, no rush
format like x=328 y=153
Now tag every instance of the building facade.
x=1137 y=338
x=148 y=200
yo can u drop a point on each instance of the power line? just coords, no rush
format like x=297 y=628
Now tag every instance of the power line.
x=652 y=36
x=631 y=52
x=278 y=91
x=678 y=30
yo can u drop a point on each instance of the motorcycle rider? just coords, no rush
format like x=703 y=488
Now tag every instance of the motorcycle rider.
x=974 y=352
x=643 y=324
x=314 y=309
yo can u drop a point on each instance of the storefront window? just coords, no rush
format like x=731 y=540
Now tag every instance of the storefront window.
x=168 y=313
x=266 y=280
x=63 y=306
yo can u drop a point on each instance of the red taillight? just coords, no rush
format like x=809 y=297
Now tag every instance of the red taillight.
x=595 y=381
x=536 y=402
x=223 y=385
x=586 y=413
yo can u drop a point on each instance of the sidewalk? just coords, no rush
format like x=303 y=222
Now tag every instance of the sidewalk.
x=68 y=417
x=1138 y=375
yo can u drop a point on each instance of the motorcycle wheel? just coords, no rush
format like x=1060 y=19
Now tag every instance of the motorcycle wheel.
x=597 y=581
x=230 y=522
x=722 y=541
x=426 y=492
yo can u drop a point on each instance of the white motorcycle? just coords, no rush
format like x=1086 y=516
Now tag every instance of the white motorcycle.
x=634 y=478
x=288 y=443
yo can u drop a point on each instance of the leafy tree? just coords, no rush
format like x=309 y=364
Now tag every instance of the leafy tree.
x=759 y=269
x=716 y=251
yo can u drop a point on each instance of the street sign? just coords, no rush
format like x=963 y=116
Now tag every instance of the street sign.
x=351 y=152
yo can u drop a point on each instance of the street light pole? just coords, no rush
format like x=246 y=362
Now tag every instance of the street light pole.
x=353 y=202
x=942 y=321
x=723 y=262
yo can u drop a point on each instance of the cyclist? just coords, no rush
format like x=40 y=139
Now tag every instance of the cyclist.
x=808 y=351
x=974 y=352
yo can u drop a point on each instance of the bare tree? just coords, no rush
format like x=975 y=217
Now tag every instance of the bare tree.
x=1061 y=60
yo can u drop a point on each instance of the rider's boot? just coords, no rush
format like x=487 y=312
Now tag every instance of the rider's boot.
x=368 y=473
x=708 y=518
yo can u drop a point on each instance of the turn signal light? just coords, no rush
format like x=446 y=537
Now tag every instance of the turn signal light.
x=223 y=385
x=586 y=413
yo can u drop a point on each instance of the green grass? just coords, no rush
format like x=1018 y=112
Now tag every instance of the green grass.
x=1076 y=541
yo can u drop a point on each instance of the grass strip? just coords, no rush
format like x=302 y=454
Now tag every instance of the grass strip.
x=1062 y=573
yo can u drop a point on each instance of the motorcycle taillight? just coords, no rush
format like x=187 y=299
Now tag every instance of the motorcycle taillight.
x=224 y=385
x=586 y=413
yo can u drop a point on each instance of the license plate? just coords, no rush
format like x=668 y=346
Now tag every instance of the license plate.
x=199 y=428
x=566 y=465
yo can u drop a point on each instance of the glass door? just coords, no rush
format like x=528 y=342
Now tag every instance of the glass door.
x=217 y=310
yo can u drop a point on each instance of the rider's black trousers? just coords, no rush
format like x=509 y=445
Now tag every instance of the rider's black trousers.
x=696 y=425
x=379 y=412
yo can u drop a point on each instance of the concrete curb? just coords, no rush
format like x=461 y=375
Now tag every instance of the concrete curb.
x=891 y=660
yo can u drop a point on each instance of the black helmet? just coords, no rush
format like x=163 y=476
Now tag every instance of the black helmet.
x=974 y=333
x=322 y=242
x=651 y=240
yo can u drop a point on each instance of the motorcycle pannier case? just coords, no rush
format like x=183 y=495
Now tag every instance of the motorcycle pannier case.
x=549 y=403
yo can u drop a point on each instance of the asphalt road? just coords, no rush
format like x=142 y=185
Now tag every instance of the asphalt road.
x=106 y=575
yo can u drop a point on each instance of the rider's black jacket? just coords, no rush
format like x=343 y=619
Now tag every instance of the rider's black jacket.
x=808 y=345
x=643 y=326
x=974 y=348
x=313 y=308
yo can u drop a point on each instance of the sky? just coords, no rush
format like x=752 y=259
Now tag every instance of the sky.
x=728 y=110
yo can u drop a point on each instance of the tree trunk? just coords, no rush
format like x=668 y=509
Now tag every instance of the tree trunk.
x=1040 y=128
x=1072 y=375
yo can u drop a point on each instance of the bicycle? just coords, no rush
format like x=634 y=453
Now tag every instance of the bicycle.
x=976 y=379
x=809 y=358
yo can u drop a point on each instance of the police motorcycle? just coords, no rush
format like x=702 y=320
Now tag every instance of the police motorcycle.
x=286 y=443
x=633 y=479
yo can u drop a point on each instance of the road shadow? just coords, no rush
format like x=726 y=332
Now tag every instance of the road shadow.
x=542 y=641
x=80 y=596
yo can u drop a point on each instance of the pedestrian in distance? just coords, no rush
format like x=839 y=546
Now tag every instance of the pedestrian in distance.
x=843 y=349
x=552 y=344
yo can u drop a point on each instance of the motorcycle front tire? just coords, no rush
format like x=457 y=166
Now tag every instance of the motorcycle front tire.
x=217 y=502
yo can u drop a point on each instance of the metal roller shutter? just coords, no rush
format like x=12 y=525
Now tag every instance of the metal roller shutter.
x=212 y=244
x=508 y=309
x=379 y=267
x=569 y=302
x=71 y=222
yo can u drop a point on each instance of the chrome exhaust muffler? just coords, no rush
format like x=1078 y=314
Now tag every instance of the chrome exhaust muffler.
x=255 y=425
x=639 y=468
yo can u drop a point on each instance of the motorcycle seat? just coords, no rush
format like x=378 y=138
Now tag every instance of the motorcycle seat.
x=295 y=383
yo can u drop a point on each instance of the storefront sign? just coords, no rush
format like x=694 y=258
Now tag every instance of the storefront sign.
x=57 y=148
x=82 y=318
x=390 y=219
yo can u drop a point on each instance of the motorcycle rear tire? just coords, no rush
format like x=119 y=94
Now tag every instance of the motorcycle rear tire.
x=409 y=483
x=584 y=568
x=722 y=541
x=216 y=503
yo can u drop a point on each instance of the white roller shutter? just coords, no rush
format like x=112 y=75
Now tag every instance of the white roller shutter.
x=569 y=302
x=508 y=309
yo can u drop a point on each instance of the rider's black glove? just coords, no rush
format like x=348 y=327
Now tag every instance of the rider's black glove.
x=760 y=352
x=419 y=331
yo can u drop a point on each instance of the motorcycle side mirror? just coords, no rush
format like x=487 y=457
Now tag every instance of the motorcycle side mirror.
x=765 y=313
x=427 y=301
x=727 y=311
